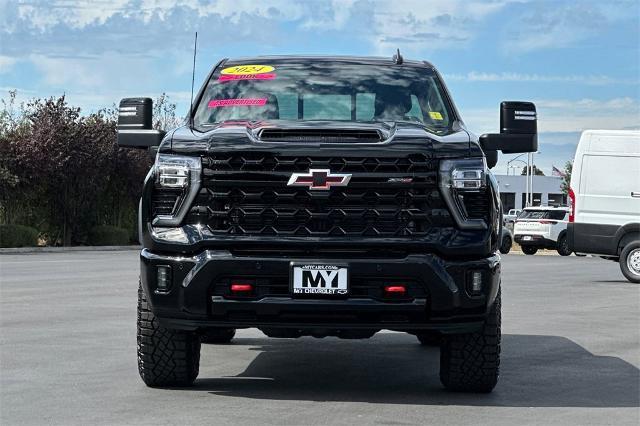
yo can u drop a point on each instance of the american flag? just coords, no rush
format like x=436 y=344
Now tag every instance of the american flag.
x=557 y=172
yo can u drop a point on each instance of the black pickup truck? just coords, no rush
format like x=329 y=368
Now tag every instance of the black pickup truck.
x=322 y=196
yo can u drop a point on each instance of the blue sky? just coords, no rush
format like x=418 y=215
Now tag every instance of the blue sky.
x=578 y=60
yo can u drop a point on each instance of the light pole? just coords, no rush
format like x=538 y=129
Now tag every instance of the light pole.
x=529 y=175
x=512 y=160
x=514 y=168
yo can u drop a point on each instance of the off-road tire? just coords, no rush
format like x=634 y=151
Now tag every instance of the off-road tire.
x=529 y=250
x=166 y=357
x=628 y=251
x=563 y=246
x=218 y=335
x=505 y=247
x=427 y=338
x=471 y=362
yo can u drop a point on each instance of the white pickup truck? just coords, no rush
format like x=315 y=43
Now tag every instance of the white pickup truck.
x=542 y=227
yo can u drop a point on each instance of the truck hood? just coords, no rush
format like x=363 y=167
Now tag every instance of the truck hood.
x=244 y=136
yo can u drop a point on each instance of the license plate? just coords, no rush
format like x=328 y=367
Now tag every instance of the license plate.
x=319 y=280
x=527 y=238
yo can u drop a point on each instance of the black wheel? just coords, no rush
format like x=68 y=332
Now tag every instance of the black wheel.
x=429 y=338
x=563 y=246
x=218 y=335
x=166 y=357
x=471 y=362
x=505 y=247
x=530 y=250
x=630 y=262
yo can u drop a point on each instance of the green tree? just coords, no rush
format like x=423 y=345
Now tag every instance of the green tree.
x=566 y=179
x=536 y=171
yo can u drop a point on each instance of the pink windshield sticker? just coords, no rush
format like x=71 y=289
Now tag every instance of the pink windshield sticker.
x=235 y=77
x=216 y=103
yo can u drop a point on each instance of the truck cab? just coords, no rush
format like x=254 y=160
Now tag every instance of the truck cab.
x=322 y=196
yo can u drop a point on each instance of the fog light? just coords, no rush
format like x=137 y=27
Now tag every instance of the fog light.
x=163 y=277
x=476 y=282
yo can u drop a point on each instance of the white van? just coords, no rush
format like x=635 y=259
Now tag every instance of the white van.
x=604 y=198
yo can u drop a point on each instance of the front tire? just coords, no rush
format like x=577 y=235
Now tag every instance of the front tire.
x=630 y=262
x=529 y=250
x=166 y=357
x=563 y=246
x=505 y=247
x=471 y=362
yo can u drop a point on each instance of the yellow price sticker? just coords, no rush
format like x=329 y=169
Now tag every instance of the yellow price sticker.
x=435 y=115
x=247 y=70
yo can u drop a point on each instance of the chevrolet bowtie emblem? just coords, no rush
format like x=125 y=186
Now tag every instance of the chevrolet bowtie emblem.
x=321 y=179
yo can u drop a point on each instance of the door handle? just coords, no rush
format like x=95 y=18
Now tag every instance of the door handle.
x=635 y=194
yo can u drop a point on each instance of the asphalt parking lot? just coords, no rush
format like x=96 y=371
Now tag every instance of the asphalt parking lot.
x=571 y=353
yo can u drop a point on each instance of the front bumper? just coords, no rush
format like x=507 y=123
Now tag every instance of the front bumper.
x=438 y=296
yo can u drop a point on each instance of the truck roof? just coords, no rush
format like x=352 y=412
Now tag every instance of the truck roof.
x=364 y=60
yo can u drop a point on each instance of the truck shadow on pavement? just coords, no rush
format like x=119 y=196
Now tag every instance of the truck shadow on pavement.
x=392 y=368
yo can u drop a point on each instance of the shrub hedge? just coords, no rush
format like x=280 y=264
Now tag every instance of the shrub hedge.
x=18 y=236
x=106 y=235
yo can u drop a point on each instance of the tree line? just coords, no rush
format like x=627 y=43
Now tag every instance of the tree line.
x=63 y=174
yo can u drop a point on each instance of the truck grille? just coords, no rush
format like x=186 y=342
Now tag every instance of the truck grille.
x=248 y=195
x=256 y=162
x=476 y=205
x=165 y=202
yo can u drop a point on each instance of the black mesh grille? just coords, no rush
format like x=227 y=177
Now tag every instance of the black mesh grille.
x=321 y=136
x=386 y=197
x=476 y=205
x=245 y=162
x=164 y=201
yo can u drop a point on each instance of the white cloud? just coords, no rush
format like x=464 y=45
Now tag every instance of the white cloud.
x=6 y=63
x=432 y=24
x=409 y=24
x=94 y=72
x=333 y=15
x=563 y=24
x=594 y=80
x=78 y=14
x=561 y=115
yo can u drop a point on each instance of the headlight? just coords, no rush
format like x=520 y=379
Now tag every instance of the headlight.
x=174 y=171
x=462 y=185
x=179 y=175
x=464 y=175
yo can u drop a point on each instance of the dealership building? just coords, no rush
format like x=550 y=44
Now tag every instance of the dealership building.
x=546 y=191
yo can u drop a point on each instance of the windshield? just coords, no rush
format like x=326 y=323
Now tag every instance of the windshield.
x=324 y=90
x=543 y=214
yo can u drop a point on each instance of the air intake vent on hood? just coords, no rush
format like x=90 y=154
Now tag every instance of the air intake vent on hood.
x=321 y=135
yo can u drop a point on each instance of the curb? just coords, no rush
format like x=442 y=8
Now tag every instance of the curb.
x=20 y=250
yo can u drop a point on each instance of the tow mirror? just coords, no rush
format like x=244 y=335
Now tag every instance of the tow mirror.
x=135 y=124
x=518 y=129
x=491 y=156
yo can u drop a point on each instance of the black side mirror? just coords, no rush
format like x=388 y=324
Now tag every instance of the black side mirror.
x=491 y=157
x=135 y=124
x=518 y=129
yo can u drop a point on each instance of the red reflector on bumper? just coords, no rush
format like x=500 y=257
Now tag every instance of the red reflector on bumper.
x=395 y=289
x=241 y=288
